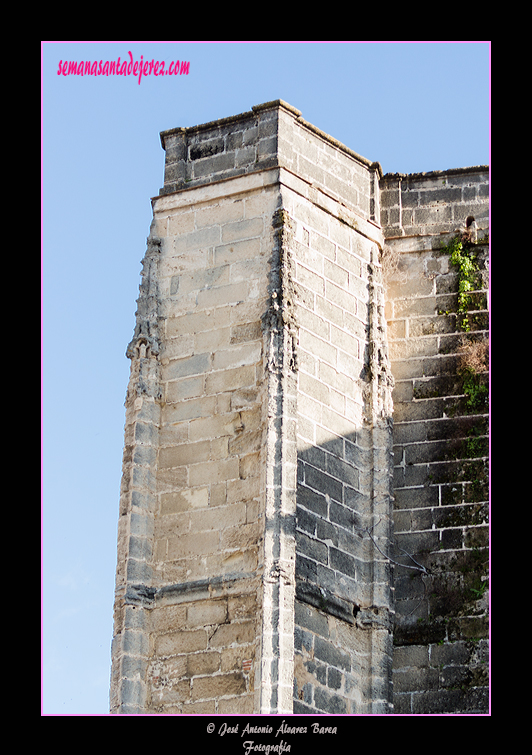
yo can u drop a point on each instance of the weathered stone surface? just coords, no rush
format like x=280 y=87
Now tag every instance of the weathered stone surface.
x=282 y=522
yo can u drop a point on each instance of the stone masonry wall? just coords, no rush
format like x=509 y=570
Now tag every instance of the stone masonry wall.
x=257 y=373
x=227 y=148
x=202 y=611
x=439 y=361
x=343 y=607
x=213 y=279
x=289 y=539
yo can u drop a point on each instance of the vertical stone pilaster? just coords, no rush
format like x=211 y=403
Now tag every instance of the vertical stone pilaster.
x=281 y=472
x=138 y=500
x=381 y=612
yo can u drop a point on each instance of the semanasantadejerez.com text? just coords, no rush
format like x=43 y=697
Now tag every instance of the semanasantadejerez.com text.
x=123 y=68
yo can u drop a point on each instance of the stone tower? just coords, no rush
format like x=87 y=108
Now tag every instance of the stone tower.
x=256 y=508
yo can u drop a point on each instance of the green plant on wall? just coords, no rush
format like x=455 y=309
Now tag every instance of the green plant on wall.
x=479 y=592
x=472 y=367
x=473 y=355
x=464 y=258
x=476 y=392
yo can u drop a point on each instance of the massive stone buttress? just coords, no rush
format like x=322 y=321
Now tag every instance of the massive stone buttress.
x=255 y=513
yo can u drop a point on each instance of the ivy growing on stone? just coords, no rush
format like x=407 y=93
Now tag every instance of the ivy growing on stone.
x=464 y=258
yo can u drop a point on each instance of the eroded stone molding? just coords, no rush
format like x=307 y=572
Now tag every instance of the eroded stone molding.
x=138 y=500
x=279 y=324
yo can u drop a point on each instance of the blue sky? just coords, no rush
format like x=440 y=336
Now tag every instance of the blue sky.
x=412 y=106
